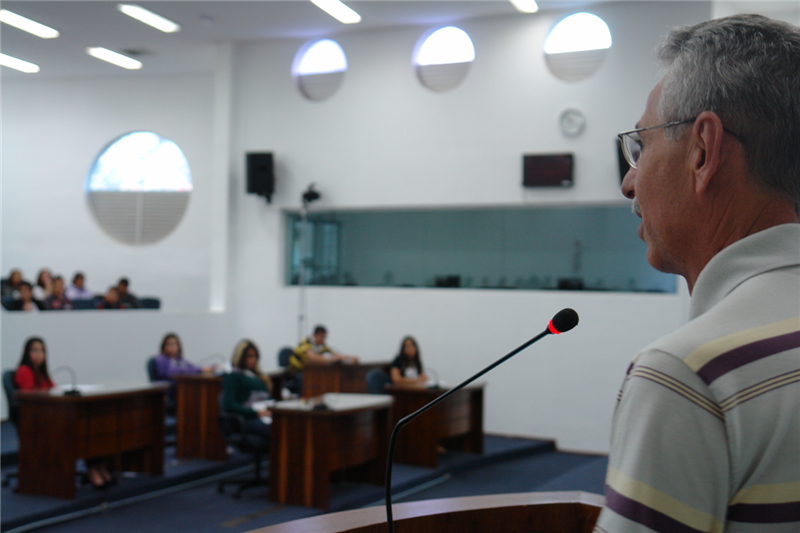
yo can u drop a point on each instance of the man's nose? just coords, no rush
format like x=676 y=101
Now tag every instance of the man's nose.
x=627 y=188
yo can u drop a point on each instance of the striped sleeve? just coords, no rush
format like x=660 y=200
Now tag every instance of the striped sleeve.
x=668 y=466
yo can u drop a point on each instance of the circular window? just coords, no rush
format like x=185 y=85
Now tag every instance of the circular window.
x=442 y=58
x=319 y=68
x=138 y=188
x=577 y=46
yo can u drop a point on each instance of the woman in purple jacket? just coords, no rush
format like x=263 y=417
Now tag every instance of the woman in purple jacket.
x=170 y=362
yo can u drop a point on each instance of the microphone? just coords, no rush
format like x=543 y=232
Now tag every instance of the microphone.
x=74 y=391
x=563 y=321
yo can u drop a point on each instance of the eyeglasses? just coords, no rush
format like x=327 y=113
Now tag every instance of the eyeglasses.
x=632 y=142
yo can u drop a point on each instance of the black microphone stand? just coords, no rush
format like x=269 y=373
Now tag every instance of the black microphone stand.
x=74 y=391
x=440 y=399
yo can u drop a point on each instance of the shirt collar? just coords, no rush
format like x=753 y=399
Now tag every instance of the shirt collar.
x=773 y=248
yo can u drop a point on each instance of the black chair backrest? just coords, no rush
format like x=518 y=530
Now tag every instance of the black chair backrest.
x=151 y=369
x=83 y=304
x=150 y=303
x=283 y=356
x=10 y=389
x=376 y=381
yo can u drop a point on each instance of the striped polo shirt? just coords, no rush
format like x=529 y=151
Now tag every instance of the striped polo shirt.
x=706 y=433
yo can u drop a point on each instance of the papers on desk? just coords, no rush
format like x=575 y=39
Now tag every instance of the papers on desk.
x=265 y=405
x=336 y=401
x=60 y=389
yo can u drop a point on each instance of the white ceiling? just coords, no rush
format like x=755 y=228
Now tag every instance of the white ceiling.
x=204 y=23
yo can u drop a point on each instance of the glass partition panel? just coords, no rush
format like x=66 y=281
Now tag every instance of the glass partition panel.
x=545 y=248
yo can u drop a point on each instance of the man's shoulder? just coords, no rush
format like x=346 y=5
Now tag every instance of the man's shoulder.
x=741 y=333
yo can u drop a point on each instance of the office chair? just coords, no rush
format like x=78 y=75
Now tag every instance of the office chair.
x=152 y=374
x=13 y=410
x=232 y=427
x=377 y=380
x=290 y=381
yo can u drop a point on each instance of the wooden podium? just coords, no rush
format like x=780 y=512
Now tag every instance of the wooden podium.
x=197 y=434
x=540 y=512
x=122 y=423
x=319 y=378
x=308 y=445
x=456 y=423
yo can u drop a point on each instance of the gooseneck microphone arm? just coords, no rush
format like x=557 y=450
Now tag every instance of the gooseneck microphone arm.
x=563 y=321
x=74 y=391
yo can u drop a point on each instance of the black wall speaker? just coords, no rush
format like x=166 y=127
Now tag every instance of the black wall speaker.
x=260 y=174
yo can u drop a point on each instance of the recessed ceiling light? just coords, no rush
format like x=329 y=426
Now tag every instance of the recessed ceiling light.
x=18 y=64
x=26 y=24
x=338 y=10
x=525 y=6
x=114 y=58
x=148 y=17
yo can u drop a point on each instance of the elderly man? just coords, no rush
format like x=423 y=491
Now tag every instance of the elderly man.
x=706 y=434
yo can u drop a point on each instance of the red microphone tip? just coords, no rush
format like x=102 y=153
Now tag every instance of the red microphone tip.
x=553 y=330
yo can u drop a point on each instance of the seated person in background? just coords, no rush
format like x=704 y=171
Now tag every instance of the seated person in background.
x=44 y=285
x=77 y=291
x=11 y=284
x=126 y=299
x=110 y=300
x=170 y=362
x=32 y=375
x=246 y=385
x=32 y=371
x=26 y=301
x=57 y=301
x=313 y=349
x=407 y=366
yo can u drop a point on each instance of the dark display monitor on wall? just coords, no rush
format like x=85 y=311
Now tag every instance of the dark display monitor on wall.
x=547 y=170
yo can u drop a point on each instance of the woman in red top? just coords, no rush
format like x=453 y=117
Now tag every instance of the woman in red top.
x=32 y=371
x=32 y=375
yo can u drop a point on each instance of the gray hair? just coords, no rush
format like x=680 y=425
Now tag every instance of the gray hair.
x=746 y=69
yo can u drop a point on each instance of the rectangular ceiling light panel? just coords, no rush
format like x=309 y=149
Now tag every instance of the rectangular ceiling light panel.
x=18 y=64
x=114 y=58
x=338 y=10
x=28 y=25
x=148 y=17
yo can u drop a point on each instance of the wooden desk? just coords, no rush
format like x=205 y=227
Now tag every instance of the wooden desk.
x=197 y=434
x=308 y=445
x=562 y=512
x=319 y=378
x=123 y=423
x=456 y=423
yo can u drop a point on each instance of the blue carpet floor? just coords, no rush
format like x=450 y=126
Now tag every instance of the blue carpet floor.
x=186 y=501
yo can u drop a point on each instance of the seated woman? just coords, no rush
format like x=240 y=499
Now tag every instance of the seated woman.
x=245 y=386
x=32 y=375
x=407 y=366
x=170 y=361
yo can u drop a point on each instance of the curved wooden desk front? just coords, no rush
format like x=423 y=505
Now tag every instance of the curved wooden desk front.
x=541 y=512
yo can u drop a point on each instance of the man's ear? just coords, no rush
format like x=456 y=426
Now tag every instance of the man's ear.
x=705 y=150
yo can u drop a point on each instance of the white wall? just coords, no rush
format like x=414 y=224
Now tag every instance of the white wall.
x=385 y=141
x=53 y=129
x=382 y=141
